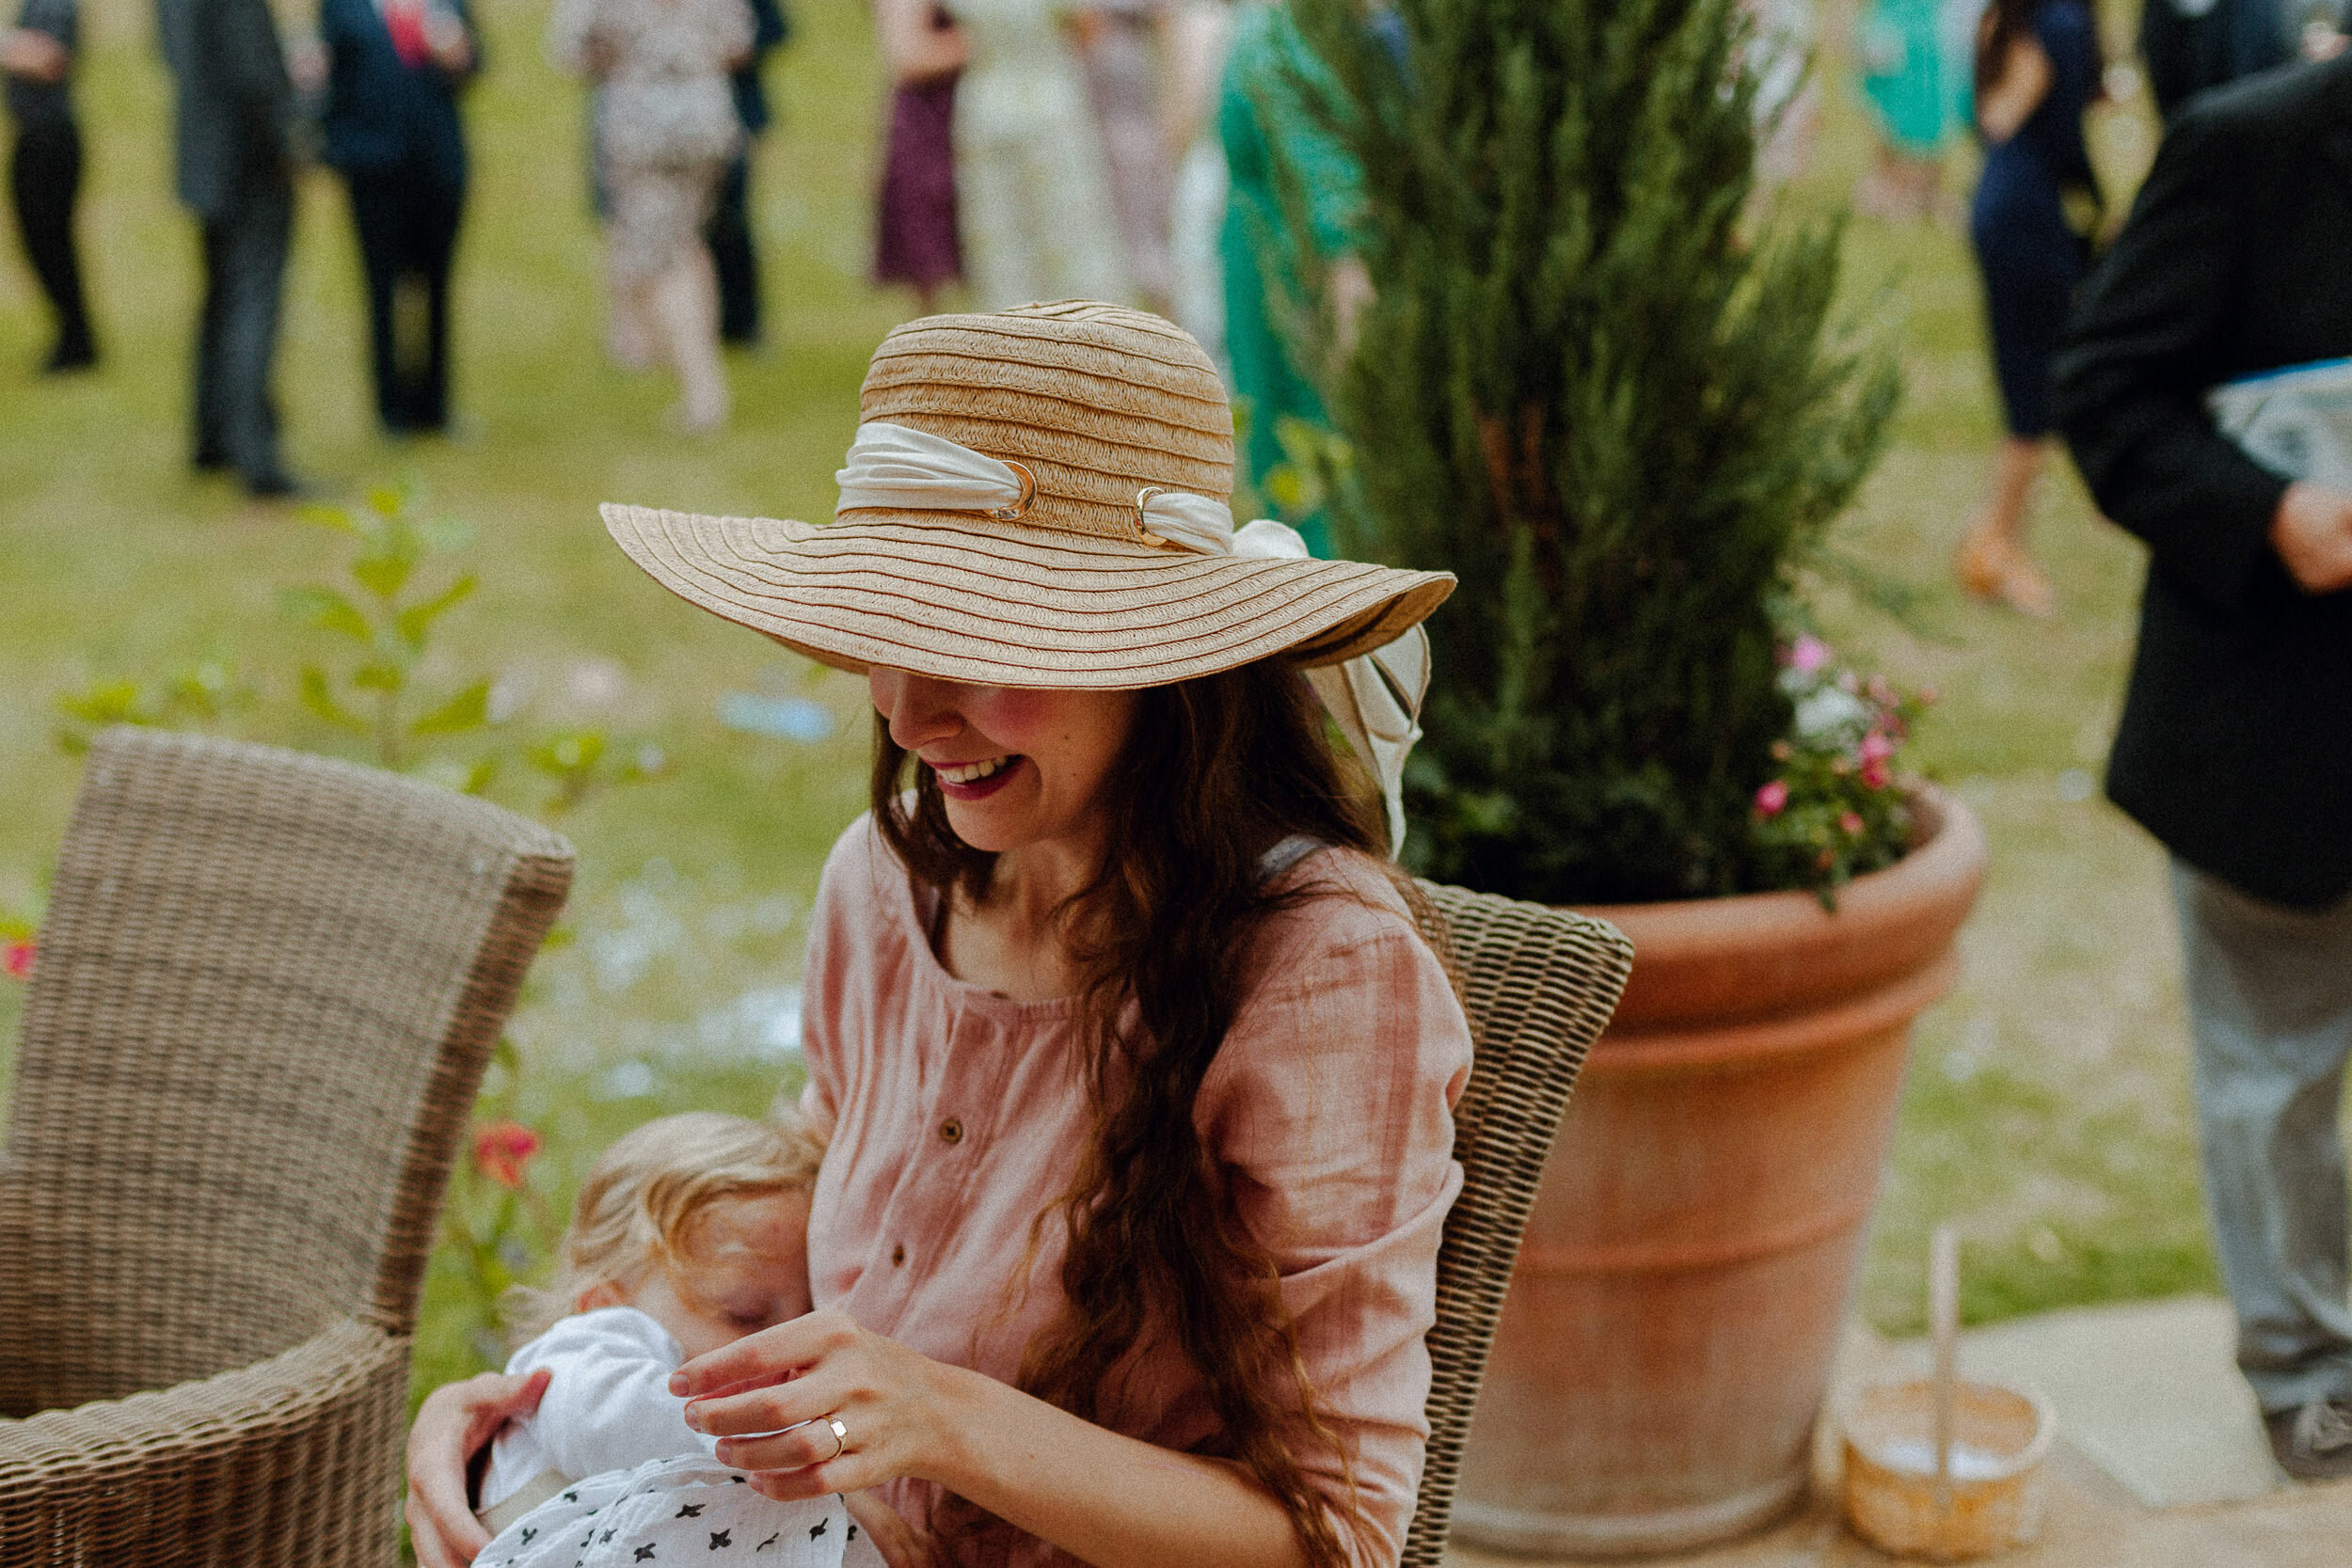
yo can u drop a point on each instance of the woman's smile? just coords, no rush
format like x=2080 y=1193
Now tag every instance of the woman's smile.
x=977 y=781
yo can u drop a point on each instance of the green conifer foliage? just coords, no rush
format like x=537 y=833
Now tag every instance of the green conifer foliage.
x=1604 y=392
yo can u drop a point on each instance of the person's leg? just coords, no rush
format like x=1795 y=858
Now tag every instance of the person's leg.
x=211 y=408
x=2025 y=296
x=444 y=209
x=728 y=235
x=254 y=277
x=44 y=176
x=2270 y=1004
x=376 y=218
x=685 y=298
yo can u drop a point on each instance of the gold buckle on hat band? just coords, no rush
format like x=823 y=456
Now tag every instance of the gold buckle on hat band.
x=1020 y=507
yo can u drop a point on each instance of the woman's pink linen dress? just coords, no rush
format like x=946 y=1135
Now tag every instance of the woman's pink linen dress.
x=957 y=1116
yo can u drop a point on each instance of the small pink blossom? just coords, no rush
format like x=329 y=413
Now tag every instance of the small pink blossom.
x=1771 y=799
x=1882 y=692
x=1876 y=774
x=1807 y=654
x=1850 y=824
x=503 y=1150
x=1876 y=747
x=16 y=958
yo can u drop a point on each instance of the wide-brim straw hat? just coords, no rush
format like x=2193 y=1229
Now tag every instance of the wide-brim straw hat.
x=1098 y=402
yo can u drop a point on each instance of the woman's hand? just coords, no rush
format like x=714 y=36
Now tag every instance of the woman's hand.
x=452 y=1425
x=803 y=1375
x=1099 y=1496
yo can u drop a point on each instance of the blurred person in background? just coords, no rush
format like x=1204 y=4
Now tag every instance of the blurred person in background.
x=666 y=129
x=2037 y=205
x=235 y=173
x=45 y=168
x=2234 y=746
x=1266 y=115
x=1200 y=33
x=1032 y=188
x=733 y=253
x=1909 y=84
x=1118 y=42
x=915 y=238
x=392 y=72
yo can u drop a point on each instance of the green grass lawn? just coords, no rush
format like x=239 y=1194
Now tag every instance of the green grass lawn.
x=2046 y=1111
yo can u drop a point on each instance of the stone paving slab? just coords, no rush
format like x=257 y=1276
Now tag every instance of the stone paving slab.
x=2147 y=1391
x=2146 y=1395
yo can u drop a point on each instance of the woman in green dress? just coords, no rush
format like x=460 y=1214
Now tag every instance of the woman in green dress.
x=1262 y=114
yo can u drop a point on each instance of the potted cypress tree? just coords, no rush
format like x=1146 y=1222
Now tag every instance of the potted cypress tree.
x=1600 y=385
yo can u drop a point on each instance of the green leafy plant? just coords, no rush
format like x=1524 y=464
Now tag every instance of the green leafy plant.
x=1604 y=388
x=386 y=616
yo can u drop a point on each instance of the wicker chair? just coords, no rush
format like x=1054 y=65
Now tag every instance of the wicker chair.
x=1539 y=984
x=267 y=989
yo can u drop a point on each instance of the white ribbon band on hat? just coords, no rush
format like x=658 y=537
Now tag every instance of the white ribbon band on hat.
x=1375 y=699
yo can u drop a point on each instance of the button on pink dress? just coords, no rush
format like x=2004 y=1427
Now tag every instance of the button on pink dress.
x=957 y=1118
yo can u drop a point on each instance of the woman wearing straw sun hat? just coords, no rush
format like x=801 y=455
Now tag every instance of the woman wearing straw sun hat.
x=1138 y=1071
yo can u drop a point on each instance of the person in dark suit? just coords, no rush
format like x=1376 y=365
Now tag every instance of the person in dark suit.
x=234 y=172
x=45 y=168
x=2234 y=748
x=393 y=72
x=729 y=231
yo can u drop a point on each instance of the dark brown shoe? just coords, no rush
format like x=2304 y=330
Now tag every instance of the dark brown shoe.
x=2313 y=1442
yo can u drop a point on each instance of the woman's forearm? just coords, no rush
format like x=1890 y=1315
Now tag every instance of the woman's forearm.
x=1107 y=1499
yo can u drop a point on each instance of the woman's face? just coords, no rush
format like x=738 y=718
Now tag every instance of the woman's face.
x=1018 y=764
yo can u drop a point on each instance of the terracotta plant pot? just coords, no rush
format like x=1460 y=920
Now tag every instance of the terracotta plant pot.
x=1666 y=1342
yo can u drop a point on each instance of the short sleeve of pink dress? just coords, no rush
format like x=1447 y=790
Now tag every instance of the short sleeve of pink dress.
x=957 y=1115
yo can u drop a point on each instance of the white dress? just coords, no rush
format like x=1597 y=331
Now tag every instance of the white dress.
x=1032 y=186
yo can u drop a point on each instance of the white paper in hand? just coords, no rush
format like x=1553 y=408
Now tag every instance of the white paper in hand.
x=2295 y=422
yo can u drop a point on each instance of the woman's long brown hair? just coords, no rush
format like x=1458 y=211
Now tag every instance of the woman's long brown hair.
x=1216 y=773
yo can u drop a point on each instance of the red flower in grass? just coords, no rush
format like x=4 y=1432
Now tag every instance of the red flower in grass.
x=502 y=1149
x=16 y=957
x=1771 y=799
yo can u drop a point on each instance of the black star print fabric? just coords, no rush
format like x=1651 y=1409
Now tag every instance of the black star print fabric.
x=676 y=1511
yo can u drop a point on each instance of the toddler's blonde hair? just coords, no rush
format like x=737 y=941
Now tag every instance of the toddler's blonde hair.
x=638 y=1209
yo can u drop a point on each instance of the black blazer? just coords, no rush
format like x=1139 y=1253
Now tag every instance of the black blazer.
x=2236 y=743
x=381 y=113
x=237 y=103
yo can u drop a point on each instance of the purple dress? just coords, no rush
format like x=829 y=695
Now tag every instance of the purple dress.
x=915 y=237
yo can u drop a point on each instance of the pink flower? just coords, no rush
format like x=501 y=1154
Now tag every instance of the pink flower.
x=1882 y=692
x=1771 y=798
x=1807 y=654
x=1850 y=824
x=1876 y=747
x=502 y=1149
x=16 y=958
x=1876 y=774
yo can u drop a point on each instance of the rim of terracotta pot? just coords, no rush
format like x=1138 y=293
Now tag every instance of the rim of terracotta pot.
x=1762 y=955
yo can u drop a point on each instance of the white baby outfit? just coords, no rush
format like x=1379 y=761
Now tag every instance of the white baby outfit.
x=648 y=1490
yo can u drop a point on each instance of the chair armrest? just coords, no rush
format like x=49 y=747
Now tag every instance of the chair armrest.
x=302 y=1447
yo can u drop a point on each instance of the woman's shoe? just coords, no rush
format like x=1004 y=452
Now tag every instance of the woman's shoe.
x=1993 y=569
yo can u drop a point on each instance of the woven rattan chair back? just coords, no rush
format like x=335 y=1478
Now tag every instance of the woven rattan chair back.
x=1539 y=984
x=266 y=988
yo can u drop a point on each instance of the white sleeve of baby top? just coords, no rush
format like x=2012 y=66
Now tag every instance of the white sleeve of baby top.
x=608 y=1404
